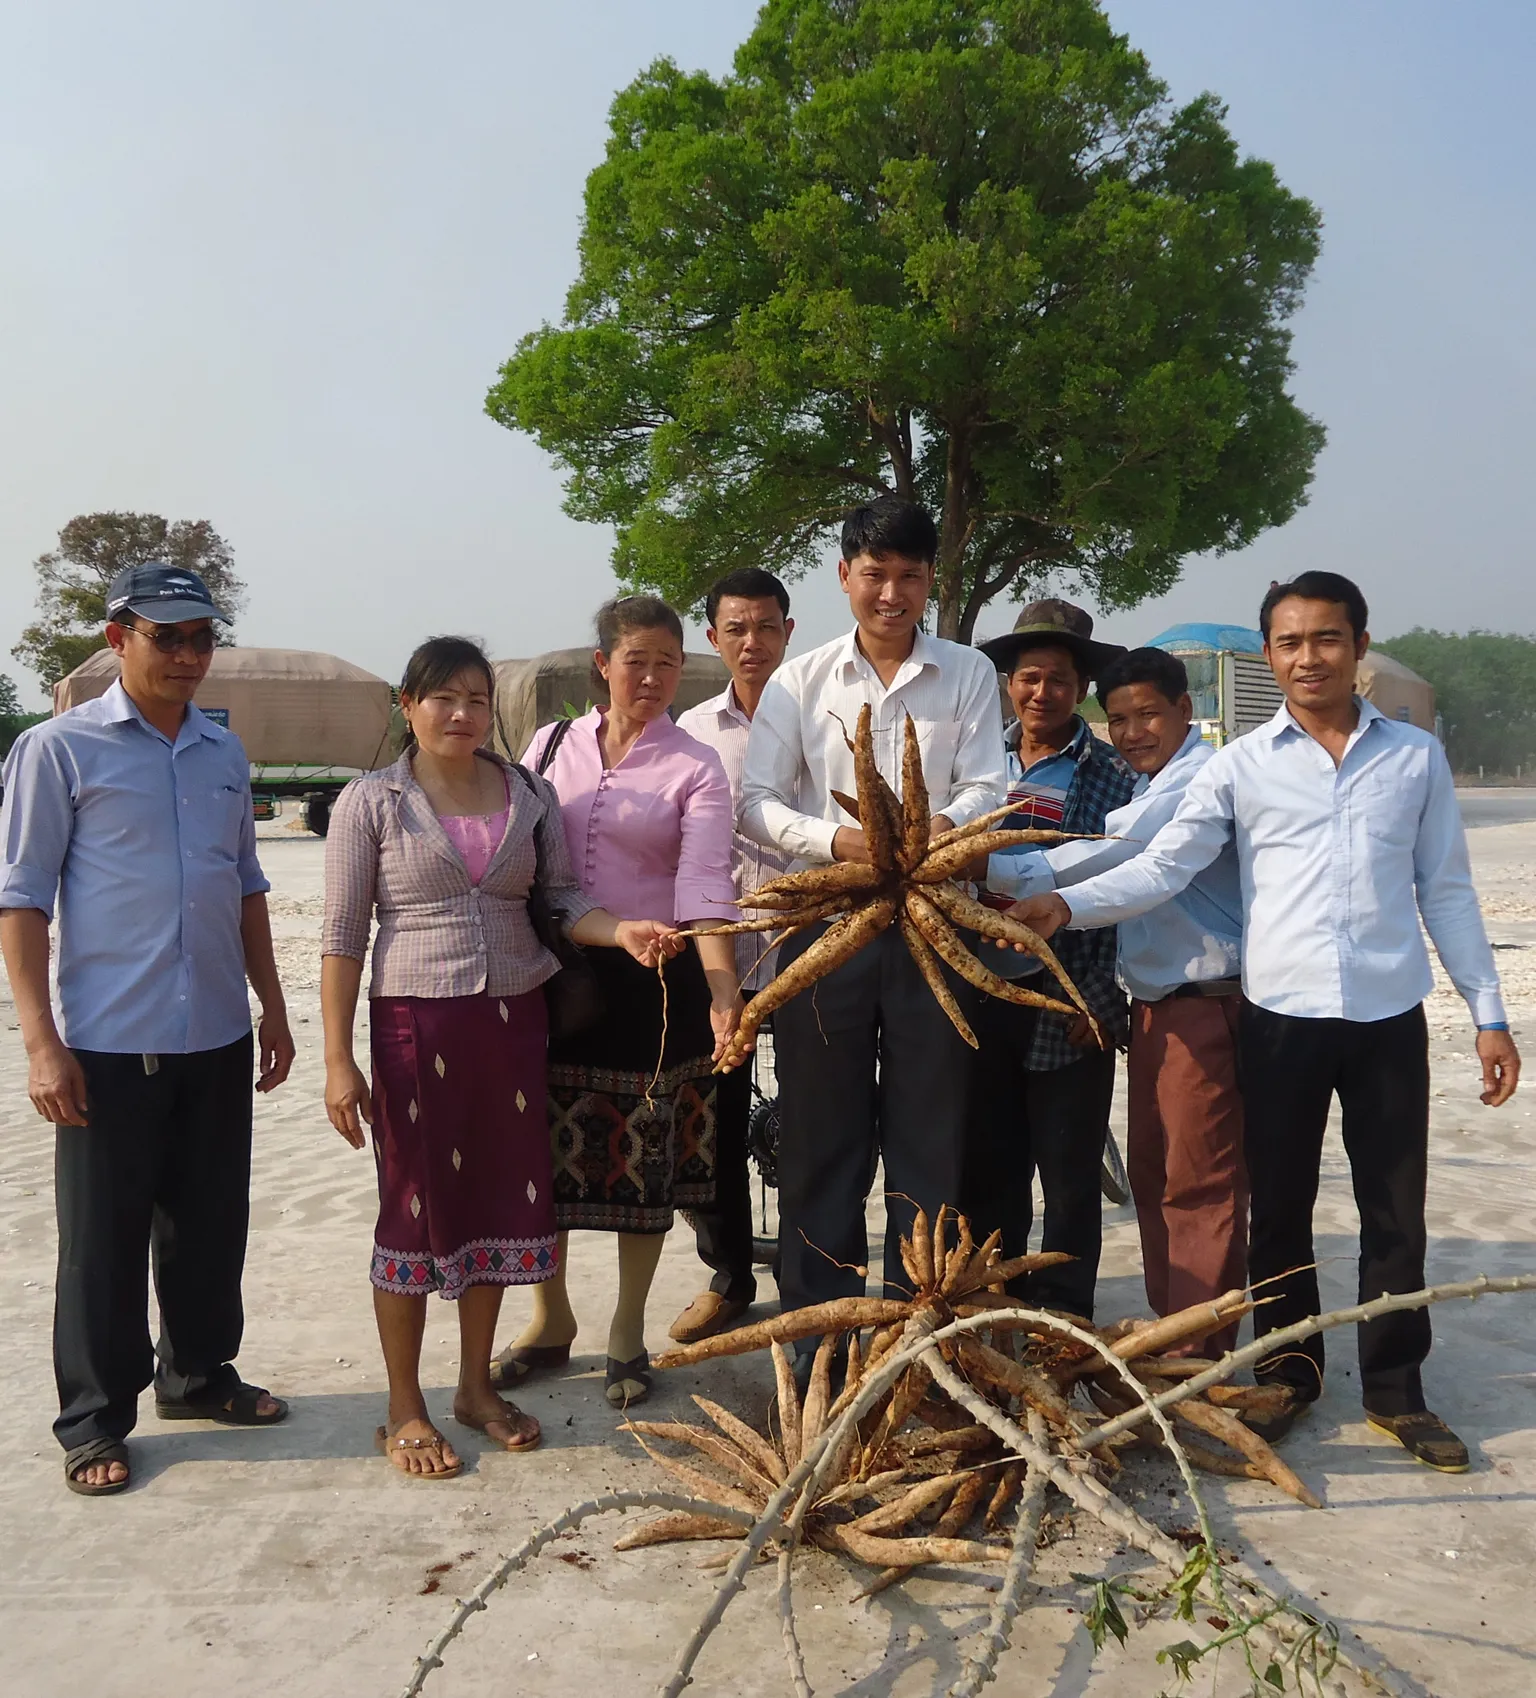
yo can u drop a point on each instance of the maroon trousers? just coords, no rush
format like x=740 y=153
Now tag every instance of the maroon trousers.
x=1184 y=1152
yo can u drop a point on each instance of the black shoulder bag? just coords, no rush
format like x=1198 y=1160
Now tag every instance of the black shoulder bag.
x=573 y=996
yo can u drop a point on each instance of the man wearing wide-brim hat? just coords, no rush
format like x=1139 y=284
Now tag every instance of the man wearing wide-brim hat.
x=1043 y=1085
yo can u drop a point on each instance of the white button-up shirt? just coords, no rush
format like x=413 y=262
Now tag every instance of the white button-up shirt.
x=1337 y=865
x=722 y=723
x=1194 y=937
x=797 y=756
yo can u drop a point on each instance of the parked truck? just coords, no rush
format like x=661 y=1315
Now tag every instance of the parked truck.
x=1230 y=683
x=310 y=722
x=1233 y=689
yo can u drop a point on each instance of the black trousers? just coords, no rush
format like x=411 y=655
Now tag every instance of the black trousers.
x=161 y=1173
x=723 y=1232
x=837 y=1116
x=1291 y=1069
x=1053 y=1121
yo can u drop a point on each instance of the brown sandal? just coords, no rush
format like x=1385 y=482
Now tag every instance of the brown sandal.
x=518 y=1361
x=390 y=1447
x=513 y=1416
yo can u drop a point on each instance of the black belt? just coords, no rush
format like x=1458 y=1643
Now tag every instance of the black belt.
x=1210 y=987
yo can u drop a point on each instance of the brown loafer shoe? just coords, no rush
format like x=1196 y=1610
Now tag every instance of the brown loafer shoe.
x=1426 y=1438
x=706 y=1315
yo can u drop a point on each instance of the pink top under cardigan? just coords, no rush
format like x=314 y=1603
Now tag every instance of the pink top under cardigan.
x=475 y=836
x=650 y=838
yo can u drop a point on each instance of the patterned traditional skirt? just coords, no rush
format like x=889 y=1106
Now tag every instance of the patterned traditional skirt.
x=460 y=1138
x=622 y=1163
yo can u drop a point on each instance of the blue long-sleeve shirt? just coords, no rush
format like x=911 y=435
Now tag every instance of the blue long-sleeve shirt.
x=1338 y=864
x=148 y=848
x=1196 y=935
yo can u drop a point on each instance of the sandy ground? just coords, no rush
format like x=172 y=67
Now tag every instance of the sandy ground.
x=293 y=1562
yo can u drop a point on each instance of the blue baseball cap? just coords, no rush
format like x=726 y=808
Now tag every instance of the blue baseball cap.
x=167 y=595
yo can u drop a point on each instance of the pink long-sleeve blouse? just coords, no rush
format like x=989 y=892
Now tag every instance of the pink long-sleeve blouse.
x=650 y=838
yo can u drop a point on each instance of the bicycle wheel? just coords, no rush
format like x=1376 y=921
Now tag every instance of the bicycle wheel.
x=1113 y=1181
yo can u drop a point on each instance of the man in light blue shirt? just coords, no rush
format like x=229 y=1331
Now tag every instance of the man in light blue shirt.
x=1180 y=963
x=133 y=812
x=1347 y=833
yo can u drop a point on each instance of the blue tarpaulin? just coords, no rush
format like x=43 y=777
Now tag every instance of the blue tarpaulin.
x=1180 y=639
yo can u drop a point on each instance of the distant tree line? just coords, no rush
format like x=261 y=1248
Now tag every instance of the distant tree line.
x=13 y=721
x=1485 y=690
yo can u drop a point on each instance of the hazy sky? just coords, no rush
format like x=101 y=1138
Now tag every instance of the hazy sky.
x=260 y=265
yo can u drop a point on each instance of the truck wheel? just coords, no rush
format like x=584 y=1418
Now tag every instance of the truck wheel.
x=317 y=814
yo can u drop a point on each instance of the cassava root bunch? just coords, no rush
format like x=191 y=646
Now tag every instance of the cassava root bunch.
x=936 y=1434
x=907 y=881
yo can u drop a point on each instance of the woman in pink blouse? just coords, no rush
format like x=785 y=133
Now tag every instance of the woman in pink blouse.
x=444 y=846
x=648 y=821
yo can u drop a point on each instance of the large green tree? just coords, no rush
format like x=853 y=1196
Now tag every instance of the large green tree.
x=93 y=548
x=965 y=250
x=1485 y=692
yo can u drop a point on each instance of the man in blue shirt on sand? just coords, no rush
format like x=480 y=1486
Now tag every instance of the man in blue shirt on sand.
x=134 y=812
x=1347 y=834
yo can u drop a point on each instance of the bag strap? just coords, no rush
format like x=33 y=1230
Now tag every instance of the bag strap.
x=538 y=829
x=552 y=747
x=546 y=756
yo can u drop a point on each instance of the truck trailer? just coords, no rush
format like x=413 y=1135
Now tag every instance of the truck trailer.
x=310 y=722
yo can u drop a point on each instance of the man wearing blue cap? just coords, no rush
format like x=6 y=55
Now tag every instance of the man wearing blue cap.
x=134 y=811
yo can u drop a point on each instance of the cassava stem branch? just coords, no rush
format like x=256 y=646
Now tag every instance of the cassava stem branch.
x=432 y=1658
x=1021 y=1561
x=1262 y=1347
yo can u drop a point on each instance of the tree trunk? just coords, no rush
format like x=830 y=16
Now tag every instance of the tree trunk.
x=954 y=537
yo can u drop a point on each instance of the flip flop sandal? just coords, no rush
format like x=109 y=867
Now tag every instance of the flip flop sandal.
x=621 y=1375
x=388 y=1447
x=511 y=1418
x=97 y=1450
x=517 y=1362
x=230 y=1406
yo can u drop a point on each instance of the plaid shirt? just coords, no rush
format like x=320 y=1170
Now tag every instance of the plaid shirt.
x=1100 y=783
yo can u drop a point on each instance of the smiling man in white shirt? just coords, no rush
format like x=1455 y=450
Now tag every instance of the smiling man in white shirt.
x=868 y=1063
x=1347 y=834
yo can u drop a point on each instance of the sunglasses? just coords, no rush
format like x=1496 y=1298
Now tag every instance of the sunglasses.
x=169 y=640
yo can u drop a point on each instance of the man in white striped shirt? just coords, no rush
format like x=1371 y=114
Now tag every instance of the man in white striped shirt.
x=868 y=1064
x=748 y=625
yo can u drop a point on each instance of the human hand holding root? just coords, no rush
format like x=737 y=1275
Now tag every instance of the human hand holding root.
x=724 y=1018
x=897 y=868
x=1045 y=914
x=650 y=942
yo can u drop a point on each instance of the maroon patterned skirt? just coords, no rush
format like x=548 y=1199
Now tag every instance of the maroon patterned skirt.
x=461 y=1142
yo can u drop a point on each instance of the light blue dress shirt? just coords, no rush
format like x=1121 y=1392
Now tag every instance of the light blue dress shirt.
x=149 y=848
x=1195 y=936
x=1337 y=864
